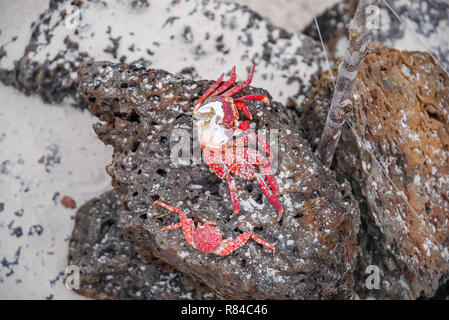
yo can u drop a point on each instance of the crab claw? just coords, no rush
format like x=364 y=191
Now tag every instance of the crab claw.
x=244 y=125
x=257 y=97
x=243 y=108
x=266 y=101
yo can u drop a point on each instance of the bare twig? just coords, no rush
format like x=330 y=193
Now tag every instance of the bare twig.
x=341 y=105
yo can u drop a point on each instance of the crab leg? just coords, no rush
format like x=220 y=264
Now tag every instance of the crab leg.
x=269 y=194
x=220 y=168
x=227 y=84
x=255 y=157
x=257 y=97
x=243 y=108
x=247 y=172
x=240 y=86
x=214 y=159
x=244 y=168
x=208 y=92
x=252 y=138
x=233 y=195
x=239 y=241
x=187 y=224
x=240 y=162
x=172 y=227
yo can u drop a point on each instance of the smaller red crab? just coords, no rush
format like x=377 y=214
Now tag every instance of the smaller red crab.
x=207 y=238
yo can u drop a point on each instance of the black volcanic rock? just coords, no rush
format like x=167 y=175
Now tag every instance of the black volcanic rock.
x=109 y=266
x=316 y=245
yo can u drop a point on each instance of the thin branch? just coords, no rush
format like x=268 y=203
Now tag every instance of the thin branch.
x=341 y=105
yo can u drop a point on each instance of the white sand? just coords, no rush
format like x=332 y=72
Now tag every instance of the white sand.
x=28 y=127
x=292 y=15
x=15 y=21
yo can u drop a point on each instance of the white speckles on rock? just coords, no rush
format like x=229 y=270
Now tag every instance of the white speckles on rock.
x=405 y=195
x=184 y=254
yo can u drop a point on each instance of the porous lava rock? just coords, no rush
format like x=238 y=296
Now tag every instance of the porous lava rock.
x=395 y=153
x=109 y=266
x=316 y=245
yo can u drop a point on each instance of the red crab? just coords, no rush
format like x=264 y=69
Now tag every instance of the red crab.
x=217 y=115
x=207 y=238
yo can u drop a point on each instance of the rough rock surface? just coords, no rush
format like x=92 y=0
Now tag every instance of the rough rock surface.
x=426 y=27
x=401 y=116
x=195 y=38
x=109 y=266
x=315 y=240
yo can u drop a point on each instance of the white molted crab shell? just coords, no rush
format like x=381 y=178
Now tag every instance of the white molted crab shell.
x=209 y=121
